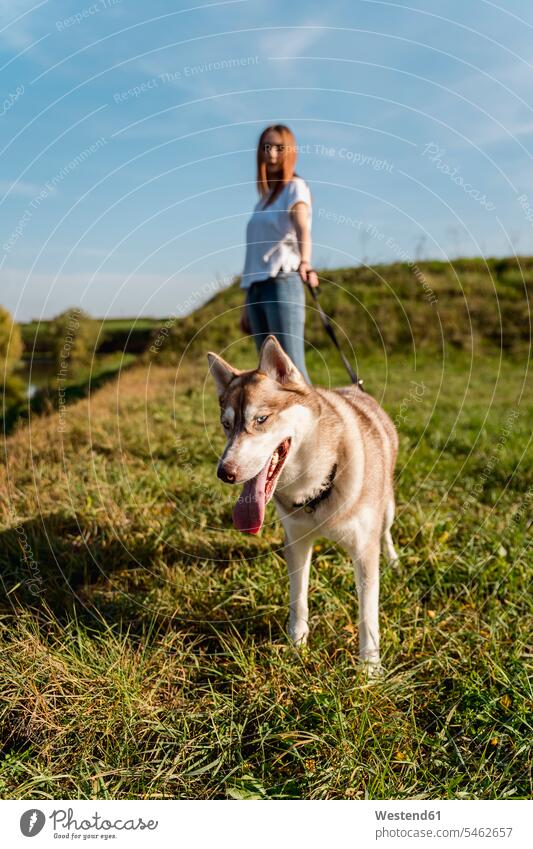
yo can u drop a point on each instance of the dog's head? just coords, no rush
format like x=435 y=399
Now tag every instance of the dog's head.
x=263 y=412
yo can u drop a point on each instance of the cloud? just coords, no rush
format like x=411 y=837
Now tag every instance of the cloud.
x=17 y=20
x=291 y=42
x=20 y=188
x=490 y=119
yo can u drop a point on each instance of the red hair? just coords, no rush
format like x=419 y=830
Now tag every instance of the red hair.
x=287 y=163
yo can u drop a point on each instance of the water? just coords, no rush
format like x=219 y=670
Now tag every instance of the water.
x=40 y=374
x=36 y=374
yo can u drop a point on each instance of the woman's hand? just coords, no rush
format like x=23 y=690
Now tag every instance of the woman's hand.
x=308 y=274
x=244 y=322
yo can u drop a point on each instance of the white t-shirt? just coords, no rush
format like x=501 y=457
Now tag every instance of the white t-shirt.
x=271 y=243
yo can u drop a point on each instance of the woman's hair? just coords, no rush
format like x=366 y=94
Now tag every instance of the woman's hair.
x=287 y=162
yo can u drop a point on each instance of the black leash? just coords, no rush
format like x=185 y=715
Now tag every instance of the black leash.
x=331 y=333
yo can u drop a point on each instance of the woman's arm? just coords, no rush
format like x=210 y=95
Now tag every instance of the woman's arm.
x=300 y=218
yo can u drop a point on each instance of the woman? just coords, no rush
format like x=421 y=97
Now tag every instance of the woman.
x=278 y=248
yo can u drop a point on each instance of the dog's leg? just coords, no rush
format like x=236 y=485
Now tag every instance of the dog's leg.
x=366 y=561
x=386 y=537
x=298 y=555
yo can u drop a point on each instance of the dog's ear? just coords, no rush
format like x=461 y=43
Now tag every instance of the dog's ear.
x=274 y=362
x=221 y=372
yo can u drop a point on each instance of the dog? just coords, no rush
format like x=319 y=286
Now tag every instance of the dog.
x=326 y=457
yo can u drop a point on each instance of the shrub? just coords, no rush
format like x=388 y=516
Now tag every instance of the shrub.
x=10 y=342
x=74 y=338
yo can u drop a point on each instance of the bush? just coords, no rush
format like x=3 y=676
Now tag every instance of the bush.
x=10 y=343
x=73 y=338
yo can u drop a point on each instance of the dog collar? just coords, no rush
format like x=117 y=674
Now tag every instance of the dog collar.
x=310 y=504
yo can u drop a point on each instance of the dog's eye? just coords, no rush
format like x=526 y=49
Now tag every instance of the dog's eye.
x=260 y=419
x=225 y=425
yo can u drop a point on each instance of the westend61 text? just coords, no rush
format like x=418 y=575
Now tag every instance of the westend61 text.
x=407 y=815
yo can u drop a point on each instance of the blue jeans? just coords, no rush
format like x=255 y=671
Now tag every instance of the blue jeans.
x=277 y=306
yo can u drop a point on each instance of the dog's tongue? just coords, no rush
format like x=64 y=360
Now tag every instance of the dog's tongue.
x=249 y=511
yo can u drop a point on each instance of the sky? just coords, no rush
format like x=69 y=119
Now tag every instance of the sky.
x=128 y=136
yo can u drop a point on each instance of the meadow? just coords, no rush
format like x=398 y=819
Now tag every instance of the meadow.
x=143 y=642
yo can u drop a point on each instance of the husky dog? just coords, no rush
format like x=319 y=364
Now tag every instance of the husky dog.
x=327 y=458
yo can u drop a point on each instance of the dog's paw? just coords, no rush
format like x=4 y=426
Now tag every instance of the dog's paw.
x=299 y=634
x=372 y=670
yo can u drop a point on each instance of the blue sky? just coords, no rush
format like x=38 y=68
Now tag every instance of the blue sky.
x=129 y=132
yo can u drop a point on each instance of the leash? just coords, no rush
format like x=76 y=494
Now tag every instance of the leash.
x=331 y=333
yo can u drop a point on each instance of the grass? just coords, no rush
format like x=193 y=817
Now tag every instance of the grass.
x=143 y=640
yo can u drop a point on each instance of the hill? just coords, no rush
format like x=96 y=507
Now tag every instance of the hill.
x=466 y=303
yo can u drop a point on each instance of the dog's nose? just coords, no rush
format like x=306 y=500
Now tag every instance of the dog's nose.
x=227 y=474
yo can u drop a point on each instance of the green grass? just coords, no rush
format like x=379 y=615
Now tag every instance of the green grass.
x=153 y=661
